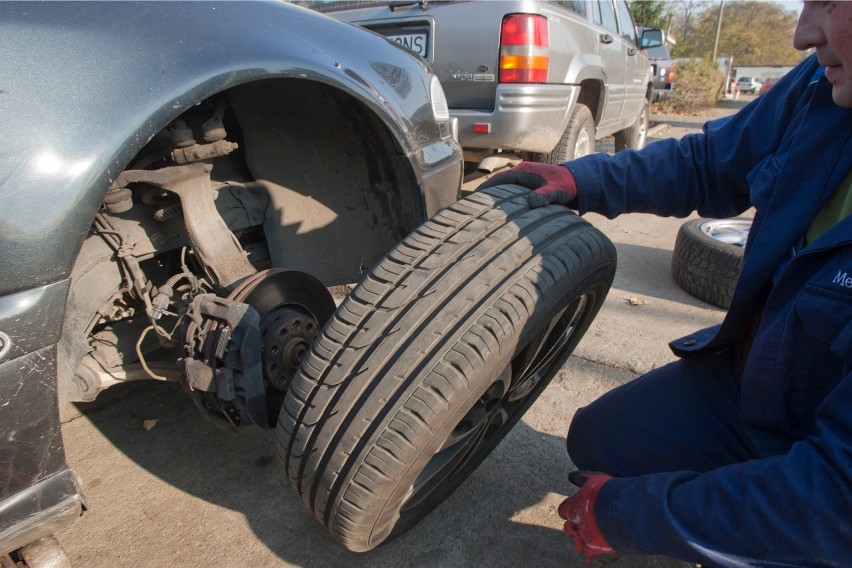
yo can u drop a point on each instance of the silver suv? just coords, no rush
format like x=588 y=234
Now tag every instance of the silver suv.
x=543 y=80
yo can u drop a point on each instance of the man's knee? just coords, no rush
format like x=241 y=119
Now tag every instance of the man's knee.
x=581 y=434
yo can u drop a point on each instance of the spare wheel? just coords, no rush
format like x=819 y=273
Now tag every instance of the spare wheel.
x=708 y=256
x=434 y=356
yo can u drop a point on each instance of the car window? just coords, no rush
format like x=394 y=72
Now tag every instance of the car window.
x=576 y=6
x=605 y=15
x=625 y=20
x=659 y=52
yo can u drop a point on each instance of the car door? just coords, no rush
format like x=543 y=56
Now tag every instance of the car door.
x=636 y=65
x=614 y=57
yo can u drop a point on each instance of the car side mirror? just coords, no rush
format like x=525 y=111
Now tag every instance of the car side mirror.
x=652 y=37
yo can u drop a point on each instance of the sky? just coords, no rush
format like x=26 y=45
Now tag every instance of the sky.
x=792 y=5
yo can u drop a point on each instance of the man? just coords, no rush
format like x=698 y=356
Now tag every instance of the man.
x=740 y=452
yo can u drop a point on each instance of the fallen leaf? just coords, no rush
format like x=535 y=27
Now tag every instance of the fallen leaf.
x=148 y=424
x=634 y=301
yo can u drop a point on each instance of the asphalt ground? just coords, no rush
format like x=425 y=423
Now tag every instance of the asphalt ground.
x=166 y=488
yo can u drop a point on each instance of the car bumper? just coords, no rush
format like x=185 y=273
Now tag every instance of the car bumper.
x=529 y=118
x=662 y=95
x=39 y=510
x=441 y=169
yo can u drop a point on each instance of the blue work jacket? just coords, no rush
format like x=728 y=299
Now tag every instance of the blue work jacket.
x=785 y=154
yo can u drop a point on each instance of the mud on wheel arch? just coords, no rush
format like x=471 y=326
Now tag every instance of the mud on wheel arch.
x=434 y=356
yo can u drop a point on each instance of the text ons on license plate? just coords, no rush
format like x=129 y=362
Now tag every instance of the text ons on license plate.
x=416 y=42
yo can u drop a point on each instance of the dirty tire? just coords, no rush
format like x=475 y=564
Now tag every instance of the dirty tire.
x=634 y=136
x=577 y=140
x=706 y=267
x=434 y=356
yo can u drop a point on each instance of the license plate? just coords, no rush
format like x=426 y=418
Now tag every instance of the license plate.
x=416 y=42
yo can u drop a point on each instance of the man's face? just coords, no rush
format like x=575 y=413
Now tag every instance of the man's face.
x=827 y=27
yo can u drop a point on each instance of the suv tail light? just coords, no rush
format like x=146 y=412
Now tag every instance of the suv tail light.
x=524 y=49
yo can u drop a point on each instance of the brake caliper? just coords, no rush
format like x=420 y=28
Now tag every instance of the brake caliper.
x=224 y=374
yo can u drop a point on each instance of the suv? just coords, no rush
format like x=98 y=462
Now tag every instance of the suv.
x=542 y=80
x=663 y=71
x=749 y=85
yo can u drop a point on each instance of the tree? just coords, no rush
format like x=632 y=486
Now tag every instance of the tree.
x=686 y=12
x=651 y=13
x=754 y=33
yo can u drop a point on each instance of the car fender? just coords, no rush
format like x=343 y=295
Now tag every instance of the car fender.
x=84 y=122
x=587 y=70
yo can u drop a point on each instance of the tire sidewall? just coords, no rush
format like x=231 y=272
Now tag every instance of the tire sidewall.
x=635 y=136
x=566 y=149
x=545 y=312
x=581 y=124
x=704 y=266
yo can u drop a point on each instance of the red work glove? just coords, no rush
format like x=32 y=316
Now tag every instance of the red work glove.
x=551 y=184
x=578 y=511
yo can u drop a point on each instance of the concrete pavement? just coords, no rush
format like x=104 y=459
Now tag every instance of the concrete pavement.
x=166 y=488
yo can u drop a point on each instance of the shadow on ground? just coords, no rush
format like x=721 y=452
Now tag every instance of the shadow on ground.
x=192 y=494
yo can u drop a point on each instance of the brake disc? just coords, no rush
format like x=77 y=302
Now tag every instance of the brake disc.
x=245 y=349
x=293 y=307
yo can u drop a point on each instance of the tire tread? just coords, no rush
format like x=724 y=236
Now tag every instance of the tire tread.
x=371 y=386
x=704 y=267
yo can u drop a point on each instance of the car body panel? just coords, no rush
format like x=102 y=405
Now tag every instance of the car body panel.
x=62 y=155
x=84 y=87
x=464 y=51
x=662 y=69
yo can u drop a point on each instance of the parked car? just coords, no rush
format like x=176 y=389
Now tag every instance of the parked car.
x=176 y=172
x=663 y=72
x=184 y=183
x=767 y=84
x=541 y=80
x=749 y=85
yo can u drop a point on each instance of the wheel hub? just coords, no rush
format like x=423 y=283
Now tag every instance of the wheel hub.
x=287 y=334
x=293 y=307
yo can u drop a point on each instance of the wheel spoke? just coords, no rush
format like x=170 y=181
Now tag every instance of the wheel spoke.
x=535 y=361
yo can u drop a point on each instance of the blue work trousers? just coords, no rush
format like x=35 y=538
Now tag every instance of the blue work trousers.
x=684 y=416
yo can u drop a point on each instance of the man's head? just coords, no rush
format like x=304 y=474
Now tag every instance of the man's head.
x=827 y=28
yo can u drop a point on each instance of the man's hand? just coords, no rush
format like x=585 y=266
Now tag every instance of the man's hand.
x=550 y=184
x=579 y=514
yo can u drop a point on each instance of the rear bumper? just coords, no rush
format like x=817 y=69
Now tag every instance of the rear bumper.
x=528 y=118
x=662 y=95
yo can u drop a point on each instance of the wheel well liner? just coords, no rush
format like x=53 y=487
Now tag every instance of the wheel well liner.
x=341 y=193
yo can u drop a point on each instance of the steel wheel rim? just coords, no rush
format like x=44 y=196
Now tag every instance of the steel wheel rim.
x=643 y=129
x=499 y=406
x=728 y=231
x=583 y=146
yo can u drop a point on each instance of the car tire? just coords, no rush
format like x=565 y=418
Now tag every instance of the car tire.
x=577 y=140
x=434 y=356
x=636 y=135
x=708 y=256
